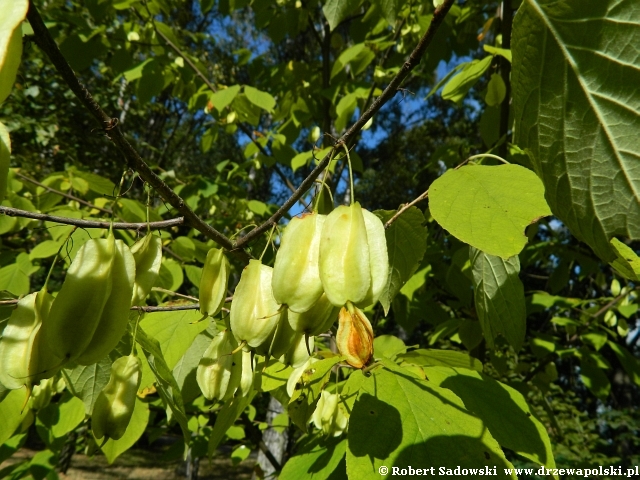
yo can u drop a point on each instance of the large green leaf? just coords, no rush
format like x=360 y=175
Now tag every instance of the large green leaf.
x=86 y=382
x=260 y=99
x=488 y=207
x=499 y=297
x=315 y=459
x=401 y=421
x=226 y=417
x=627 y=262
x=175 y=331
x=62 y=417
x=406 y=244
x=577 y=109
x=166 y=383
x=336 y=11
x=493 y=401
x=458 y=87
x=426 y=357
x=12 y=412
x=13 y=13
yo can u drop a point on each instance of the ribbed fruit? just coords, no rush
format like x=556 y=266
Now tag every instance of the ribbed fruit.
x=296 y=278
x=254 y=312
x=344 y=263
x=355 y=337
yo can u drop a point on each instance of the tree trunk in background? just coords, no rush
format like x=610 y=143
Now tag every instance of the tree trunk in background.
x=275 y=441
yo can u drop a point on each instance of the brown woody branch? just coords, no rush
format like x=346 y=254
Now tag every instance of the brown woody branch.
x=412 y=61
x=16 y=212
x=110 y=126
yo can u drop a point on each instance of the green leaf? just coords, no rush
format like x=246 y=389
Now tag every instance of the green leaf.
x=345 y=57
x=388 y=346
x=14 y=279
x=388 y=9
x=504 y=52
x=459 y=85
x=62 y=417
x=226 y=417
x=12 y=413
x=223 y=97
x=399 y=420
x=577 y=107
x=303 y=401
x=592 y=373
x=45 y=249
x=488 y=207
x=98 y=184
x=627 y=262
x=138 y=424
x=5 y=159
x=406 y=244
x=174 y=331
x=499 y=297
x=335 y=11
x=185 y=370
x=86 y=383
x=274 y=376
x=425 y=357
x=496 y=90
x=13 y=13
x=166 y=383
x=493 y=401
x=171 y=276
x=316 y=458
x=260 y=99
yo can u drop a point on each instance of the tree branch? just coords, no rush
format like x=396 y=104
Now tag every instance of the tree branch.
x=412 y=61
x=16 y=212
x=110 y=126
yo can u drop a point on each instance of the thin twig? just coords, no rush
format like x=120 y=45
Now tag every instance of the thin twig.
x=405 y=208
x=63 y=194
x=110 y=126
x=438 y=16
x=16 y=212
x=146 y=308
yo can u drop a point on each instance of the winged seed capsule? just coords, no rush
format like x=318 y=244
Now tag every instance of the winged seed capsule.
x=329 y=416
x=254 y=312
x=296 y=278
x=213 y=282
x=114 y=407
x=148 y=257
x=214 y=370
x=344 y=256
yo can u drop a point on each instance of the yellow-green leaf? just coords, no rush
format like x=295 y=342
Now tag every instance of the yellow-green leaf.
x=489 y=207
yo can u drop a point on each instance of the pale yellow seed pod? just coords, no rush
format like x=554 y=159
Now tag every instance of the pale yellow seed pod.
x=213 y=282
x=246 y=380
x=214 y=370
x=114 y=407
x=254 y=312
x=77 y=310
x=24 y=360
x=296 y=278
x=317 y=319
x=329 y=416
x=148 y=257
x=378 y=258
x=41 y=394
x=115 y=315
x=344 y=263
